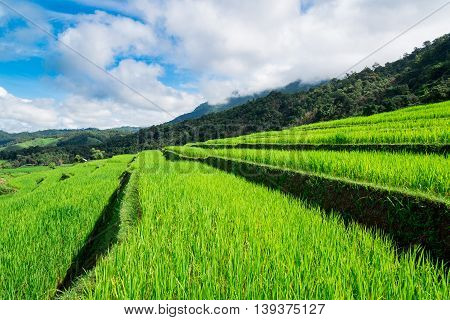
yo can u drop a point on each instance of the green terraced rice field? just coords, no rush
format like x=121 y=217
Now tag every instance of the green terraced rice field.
x=46 y=222
x=426 y=174
x=188 y=231
x=205 y=234
x=427 y=124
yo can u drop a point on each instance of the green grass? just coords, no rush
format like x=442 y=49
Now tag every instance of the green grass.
x=45 y=223
x=205 y=234
x=16 y=179
x=428 y=124
x=5 y=188
x=23 y=170
x=426 y=174
x=38 y=142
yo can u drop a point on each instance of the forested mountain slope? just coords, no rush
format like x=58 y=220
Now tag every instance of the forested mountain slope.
x=206 y=108
x=419 y=77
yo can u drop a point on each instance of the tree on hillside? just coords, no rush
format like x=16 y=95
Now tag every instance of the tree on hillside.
x=78 y=158
x=97 y=154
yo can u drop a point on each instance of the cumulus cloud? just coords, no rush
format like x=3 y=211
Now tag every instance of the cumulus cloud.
x=116 y=44
x=227 y=45
x=102 y=37
x=250 y=46
x=80 y=112
x=24 y=115
x=143 y=77
x=75 y=111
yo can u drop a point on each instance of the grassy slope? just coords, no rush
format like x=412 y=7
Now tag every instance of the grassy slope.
x=205 y=234
x=130 y=212
x=429 y=174
x=38 y=142
x=9 y=179
x=419 y=77
x=46 y=222
x=420 y=124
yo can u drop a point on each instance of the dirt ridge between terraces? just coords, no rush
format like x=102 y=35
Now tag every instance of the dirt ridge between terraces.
x=412 y=148
x=406 y=218
x=102 y=237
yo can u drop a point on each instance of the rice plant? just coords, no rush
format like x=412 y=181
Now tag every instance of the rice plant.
x=429 y=124
x=205 y=234
x=46 y=222
x=426 y=174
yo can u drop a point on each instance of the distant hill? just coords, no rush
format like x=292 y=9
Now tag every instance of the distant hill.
x=206 y=108
x=25 y=140
x=37 y=142
x=58 y=146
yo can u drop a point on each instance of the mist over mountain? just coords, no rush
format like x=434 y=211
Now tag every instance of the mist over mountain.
x=237 y=100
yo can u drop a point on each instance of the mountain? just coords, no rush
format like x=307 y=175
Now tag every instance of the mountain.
x=422 y=76
x=58 y=146
x=10 y=139
x=3 y=134
x=206 y=108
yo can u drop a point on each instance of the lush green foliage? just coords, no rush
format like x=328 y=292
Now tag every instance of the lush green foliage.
x=38 y=142
x=425 y=174
x=206 y=108
x=8 y=139
x=45 y=223
x=55 y=146
x=189 y=231
x=205 y=234
x=428 y=124
x=21 y=171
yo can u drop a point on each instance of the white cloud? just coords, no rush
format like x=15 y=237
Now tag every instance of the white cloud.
x=144 y=78
x=102 y=37
x=77 y=111
x=108 y=40
x=24 y=115
x=228 y=45
x=251 y=46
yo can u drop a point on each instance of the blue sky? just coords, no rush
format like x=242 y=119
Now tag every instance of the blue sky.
x=29 y=76
x=181 y=53
x=14 y=71
x=66 y=6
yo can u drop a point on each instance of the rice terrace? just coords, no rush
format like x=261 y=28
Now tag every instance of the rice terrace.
x=210 y=221
x=224 y=159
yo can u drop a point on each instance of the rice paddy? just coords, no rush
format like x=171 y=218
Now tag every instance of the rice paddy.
x=205 y=234
x=46 y=222
x=429 y=175
x=189 y=231
x=427 y=124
